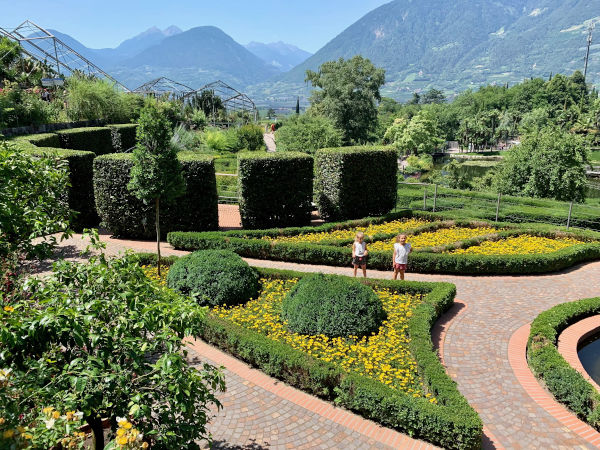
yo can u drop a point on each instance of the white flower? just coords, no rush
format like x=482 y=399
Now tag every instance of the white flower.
x=78 y=415
x=49 y=423
x=121 y=420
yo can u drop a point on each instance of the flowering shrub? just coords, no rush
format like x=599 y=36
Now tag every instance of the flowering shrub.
x=394 y=226
x=443 y=236
x=519 y=245
x=383 y=356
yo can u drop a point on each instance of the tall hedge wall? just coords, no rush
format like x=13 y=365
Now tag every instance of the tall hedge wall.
x=123 y=136
x=92 y=139
x=126 y=216
x=81 y=193
x=275 y=189
x=354 y=182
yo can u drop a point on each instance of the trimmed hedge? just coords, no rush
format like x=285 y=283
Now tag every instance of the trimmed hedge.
x=126 y=216
x=41 y=140
x=250 y=244
x=123 y=136
x=452 y=423
x=566 y=384
x=80 y=195
x=275 y=189
x=354 y=182
x=93 y=139
x=333 y=306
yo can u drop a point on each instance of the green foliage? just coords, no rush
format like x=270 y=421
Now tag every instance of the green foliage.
x=250 y=137
x=197 y=119
x=395 y=131
x=186 y=140
x=22 y=107
x=348 y=92
x=549 y=164
x=209 y=103
x=156 y=171
x=91 y=99
x=420 y=135
x=566 y=384
x=104 y=339
x=275 y=189
x=31 y=202
x=451 y=424
x=125 y=215
x=92 y=139
x=307 y=133
x=214 y=277
x=333 y=306
x=41 y=140
x=221 y=140
x=355 y=182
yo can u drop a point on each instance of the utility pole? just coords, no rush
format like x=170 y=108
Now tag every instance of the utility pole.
x=589 y=44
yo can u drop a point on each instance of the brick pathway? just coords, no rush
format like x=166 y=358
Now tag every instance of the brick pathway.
x=475 y=348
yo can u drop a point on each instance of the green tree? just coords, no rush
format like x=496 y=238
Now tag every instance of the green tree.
x=32 y=203
x=104 y=339
x=210 y=103
x=298 y=105
x=394 y=132
x=156 y=172
x=548 y=164
x=348 y=94
x=433 y=96
x=306 y=133
x=420 y=135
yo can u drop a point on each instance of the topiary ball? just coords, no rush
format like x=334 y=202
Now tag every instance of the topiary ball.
x=214 y=277
x=332 y=305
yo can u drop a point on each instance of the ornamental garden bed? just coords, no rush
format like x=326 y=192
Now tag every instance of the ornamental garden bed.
x=392 y=376
x=464 y=246
x=564 y=382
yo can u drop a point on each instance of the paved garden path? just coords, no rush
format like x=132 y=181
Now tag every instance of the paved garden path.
x=269 y=139
x=475 y=349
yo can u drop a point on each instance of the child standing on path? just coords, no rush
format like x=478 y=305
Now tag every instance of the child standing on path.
x=359 y=253
x=400 y=258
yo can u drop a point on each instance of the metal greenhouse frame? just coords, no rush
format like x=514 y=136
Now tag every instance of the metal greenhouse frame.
x=41 y=45
x=164 y=86
x=233 y=100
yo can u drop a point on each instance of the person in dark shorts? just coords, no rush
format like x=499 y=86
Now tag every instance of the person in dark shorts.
x=400 y=258
x=360 y=253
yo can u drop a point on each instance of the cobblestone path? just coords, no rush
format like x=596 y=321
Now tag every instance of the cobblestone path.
x=475 y=350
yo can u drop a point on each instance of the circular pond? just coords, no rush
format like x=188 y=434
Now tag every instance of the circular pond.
x=588 y=352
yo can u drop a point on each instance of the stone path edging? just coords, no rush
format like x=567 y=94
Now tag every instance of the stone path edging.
x=569 y=340
x=517 y=356
x=324 y=409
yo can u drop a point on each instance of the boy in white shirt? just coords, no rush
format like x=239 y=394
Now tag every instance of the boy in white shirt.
x=400 y=258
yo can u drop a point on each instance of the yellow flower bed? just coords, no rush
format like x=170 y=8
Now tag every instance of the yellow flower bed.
x=443 y=236
x=395 y=226
x=384 y=357
x=152 y=273
x=519 y=245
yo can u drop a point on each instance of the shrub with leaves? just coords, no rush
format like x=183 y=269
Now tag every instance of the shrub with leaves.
x=32 y=201
x=214 y=277
x=104 y=339
x=332 y=305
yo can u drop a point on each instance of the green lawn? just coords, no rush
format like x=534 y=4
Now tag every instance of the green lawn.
x=595 y=156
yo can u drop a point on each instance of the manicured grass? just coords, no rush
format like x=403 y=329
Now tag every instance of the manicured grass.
x=595 y=156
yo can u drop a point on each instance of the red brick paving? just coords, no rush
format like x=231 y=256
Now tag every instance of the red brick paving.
x=475 y=350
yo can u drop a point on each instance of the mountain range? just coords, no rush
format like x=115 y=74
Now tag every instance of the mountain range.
x=422 y=44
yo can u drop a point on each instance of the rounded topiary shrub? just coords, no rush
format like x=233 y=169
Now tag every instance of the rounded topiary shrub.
x=214 y=277
x=333 y=306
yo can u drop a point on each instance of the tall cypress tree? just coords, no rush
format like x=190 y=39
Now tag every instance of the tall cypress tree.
x=156 y=172
x=298 y=105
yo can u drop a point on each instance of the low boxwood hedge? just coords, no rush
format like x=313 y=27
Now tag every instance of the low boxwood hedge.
x=452 y=423
x=80 y=195
x=275 y=189
x=250 y=244
x=353 y=182
x=123 y=136
x=566 y=384
x=41 y=140
x=126 y=216
x=92 y=139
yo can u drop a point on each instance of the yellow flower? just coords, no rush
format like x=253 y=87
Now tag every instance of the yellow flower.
x=9 y=309
x=524 y=244
x=122 y=440
x=48 y=410
x=2 y=420
x=56 y=415
x=121 y=432
x=8 y=434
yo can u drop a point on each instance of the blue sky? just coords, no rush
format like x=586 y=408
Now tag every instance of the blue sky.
x=309 y=24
